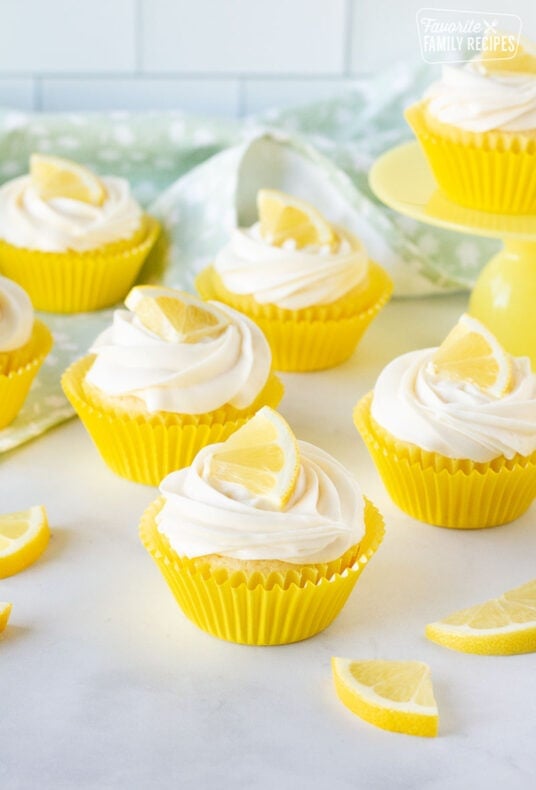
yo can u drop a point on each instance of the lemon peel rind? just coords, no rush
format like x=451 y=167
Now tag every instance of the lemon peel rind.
x=424 y=724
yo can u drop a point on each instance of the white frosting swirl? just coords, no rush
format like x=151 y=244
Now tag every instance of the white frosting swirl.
x=288 y=277
x=60 y=224
x=187 y=378
x=477 y=100
x=455 y=418
x=323 y=519
x=16 y=316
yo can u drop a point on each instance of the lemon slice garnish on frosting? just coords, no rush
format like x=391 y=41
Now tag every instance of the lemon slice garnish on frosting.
x=23 y=538
x=500 y=626
x=54 y=177
x=393 y=695
x=495 y=58
x=5 y=611
x=472 y=353
x=283 y=217
x=261 y=458
x=175 y=316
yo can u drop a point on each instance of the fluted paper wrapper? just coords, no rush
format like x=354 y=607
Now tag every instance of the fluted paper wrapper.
x=74 y=282
x=448 y=492
x=145 y=447
x=489 y=171
x=17 y=379
x=260 y=610
x=314 y=338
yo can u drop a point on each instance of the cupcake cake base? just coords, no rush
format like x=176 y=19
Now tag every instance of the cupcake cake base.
x=447 y=492
x=74 y=282
x=260 y=608
x=146 y=446
x=313 y=338
x=19 y=368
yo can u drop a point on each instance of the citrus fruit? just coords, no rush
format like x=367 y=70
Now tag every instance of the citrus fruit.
x=23 y=538
x=5 y=611
x=262 y=457
x=175 y=316
x=501 y=626
x=283 y=217
x=471 y=353
x=393 y=695
x=54 y=177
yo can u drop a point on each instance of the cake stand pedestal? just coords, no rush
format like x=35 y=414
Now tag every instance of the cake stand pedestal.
x=504 y=296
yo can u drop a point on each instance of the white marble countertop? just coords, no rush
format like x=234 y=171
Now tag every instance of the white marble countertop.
x=104 y=683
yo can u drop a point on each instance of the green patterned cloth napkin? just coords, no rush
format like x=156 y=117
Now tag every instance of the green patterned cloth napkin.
x=199 y=176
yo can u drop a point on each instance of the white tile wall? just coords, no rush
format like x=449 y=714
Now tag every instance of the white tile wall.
x=221 y=57
x=230 y=36
x=67 y=35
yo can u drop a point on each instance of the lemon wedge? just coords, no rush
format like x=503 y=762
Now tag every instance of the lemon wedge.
x=54 y=177
x=393 y=695
x=262 y=458
x=494 y=57
x=283 y=217
x=471 y=353
x=5 y=611
x=23 y=538
x=499 y=627
x=175 y=316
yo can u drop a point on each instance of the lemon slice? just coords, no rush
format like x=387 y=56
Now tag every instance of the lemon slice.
x=174 y=315
x=23 y=538
x=283 y=217
x=495 y=58
x=393 y=695
x=499 y=627
x=261 y=458
x=5 y=611
x=471 y=353
x=54 y=177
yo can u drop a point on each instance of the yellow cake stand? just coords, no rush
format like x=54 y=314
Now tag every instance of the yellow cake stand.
x=504 y=296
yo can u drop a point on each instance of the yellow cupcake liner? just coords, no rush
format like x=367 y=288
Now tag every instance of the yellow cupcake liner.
x=276 y=609
x=15 y=384
x=447 y=492
x=74 y=282
x=314 y=338
x=489 y=171
x=145 y=447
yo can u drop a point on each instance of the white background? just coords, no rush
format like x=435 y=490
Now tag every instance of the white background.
x=216 y=57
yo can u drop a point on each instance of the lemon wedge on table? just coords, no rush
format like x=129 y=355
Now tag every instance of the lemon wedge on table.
x=393 y=695
x=23 y=538
x=471 y=353
x=283 y=217
x=501 y=626
x=5 y=611
x=175 y=316
x=54 y=177
x=262 y=457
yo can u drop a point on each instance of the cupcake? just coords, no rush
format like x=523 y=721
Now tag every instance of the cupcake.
x=452 y=430
x=170 y=375
x=24 y=344
x=73 y=241
x=261 y=540
x=477 y=128
x=310 y=286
